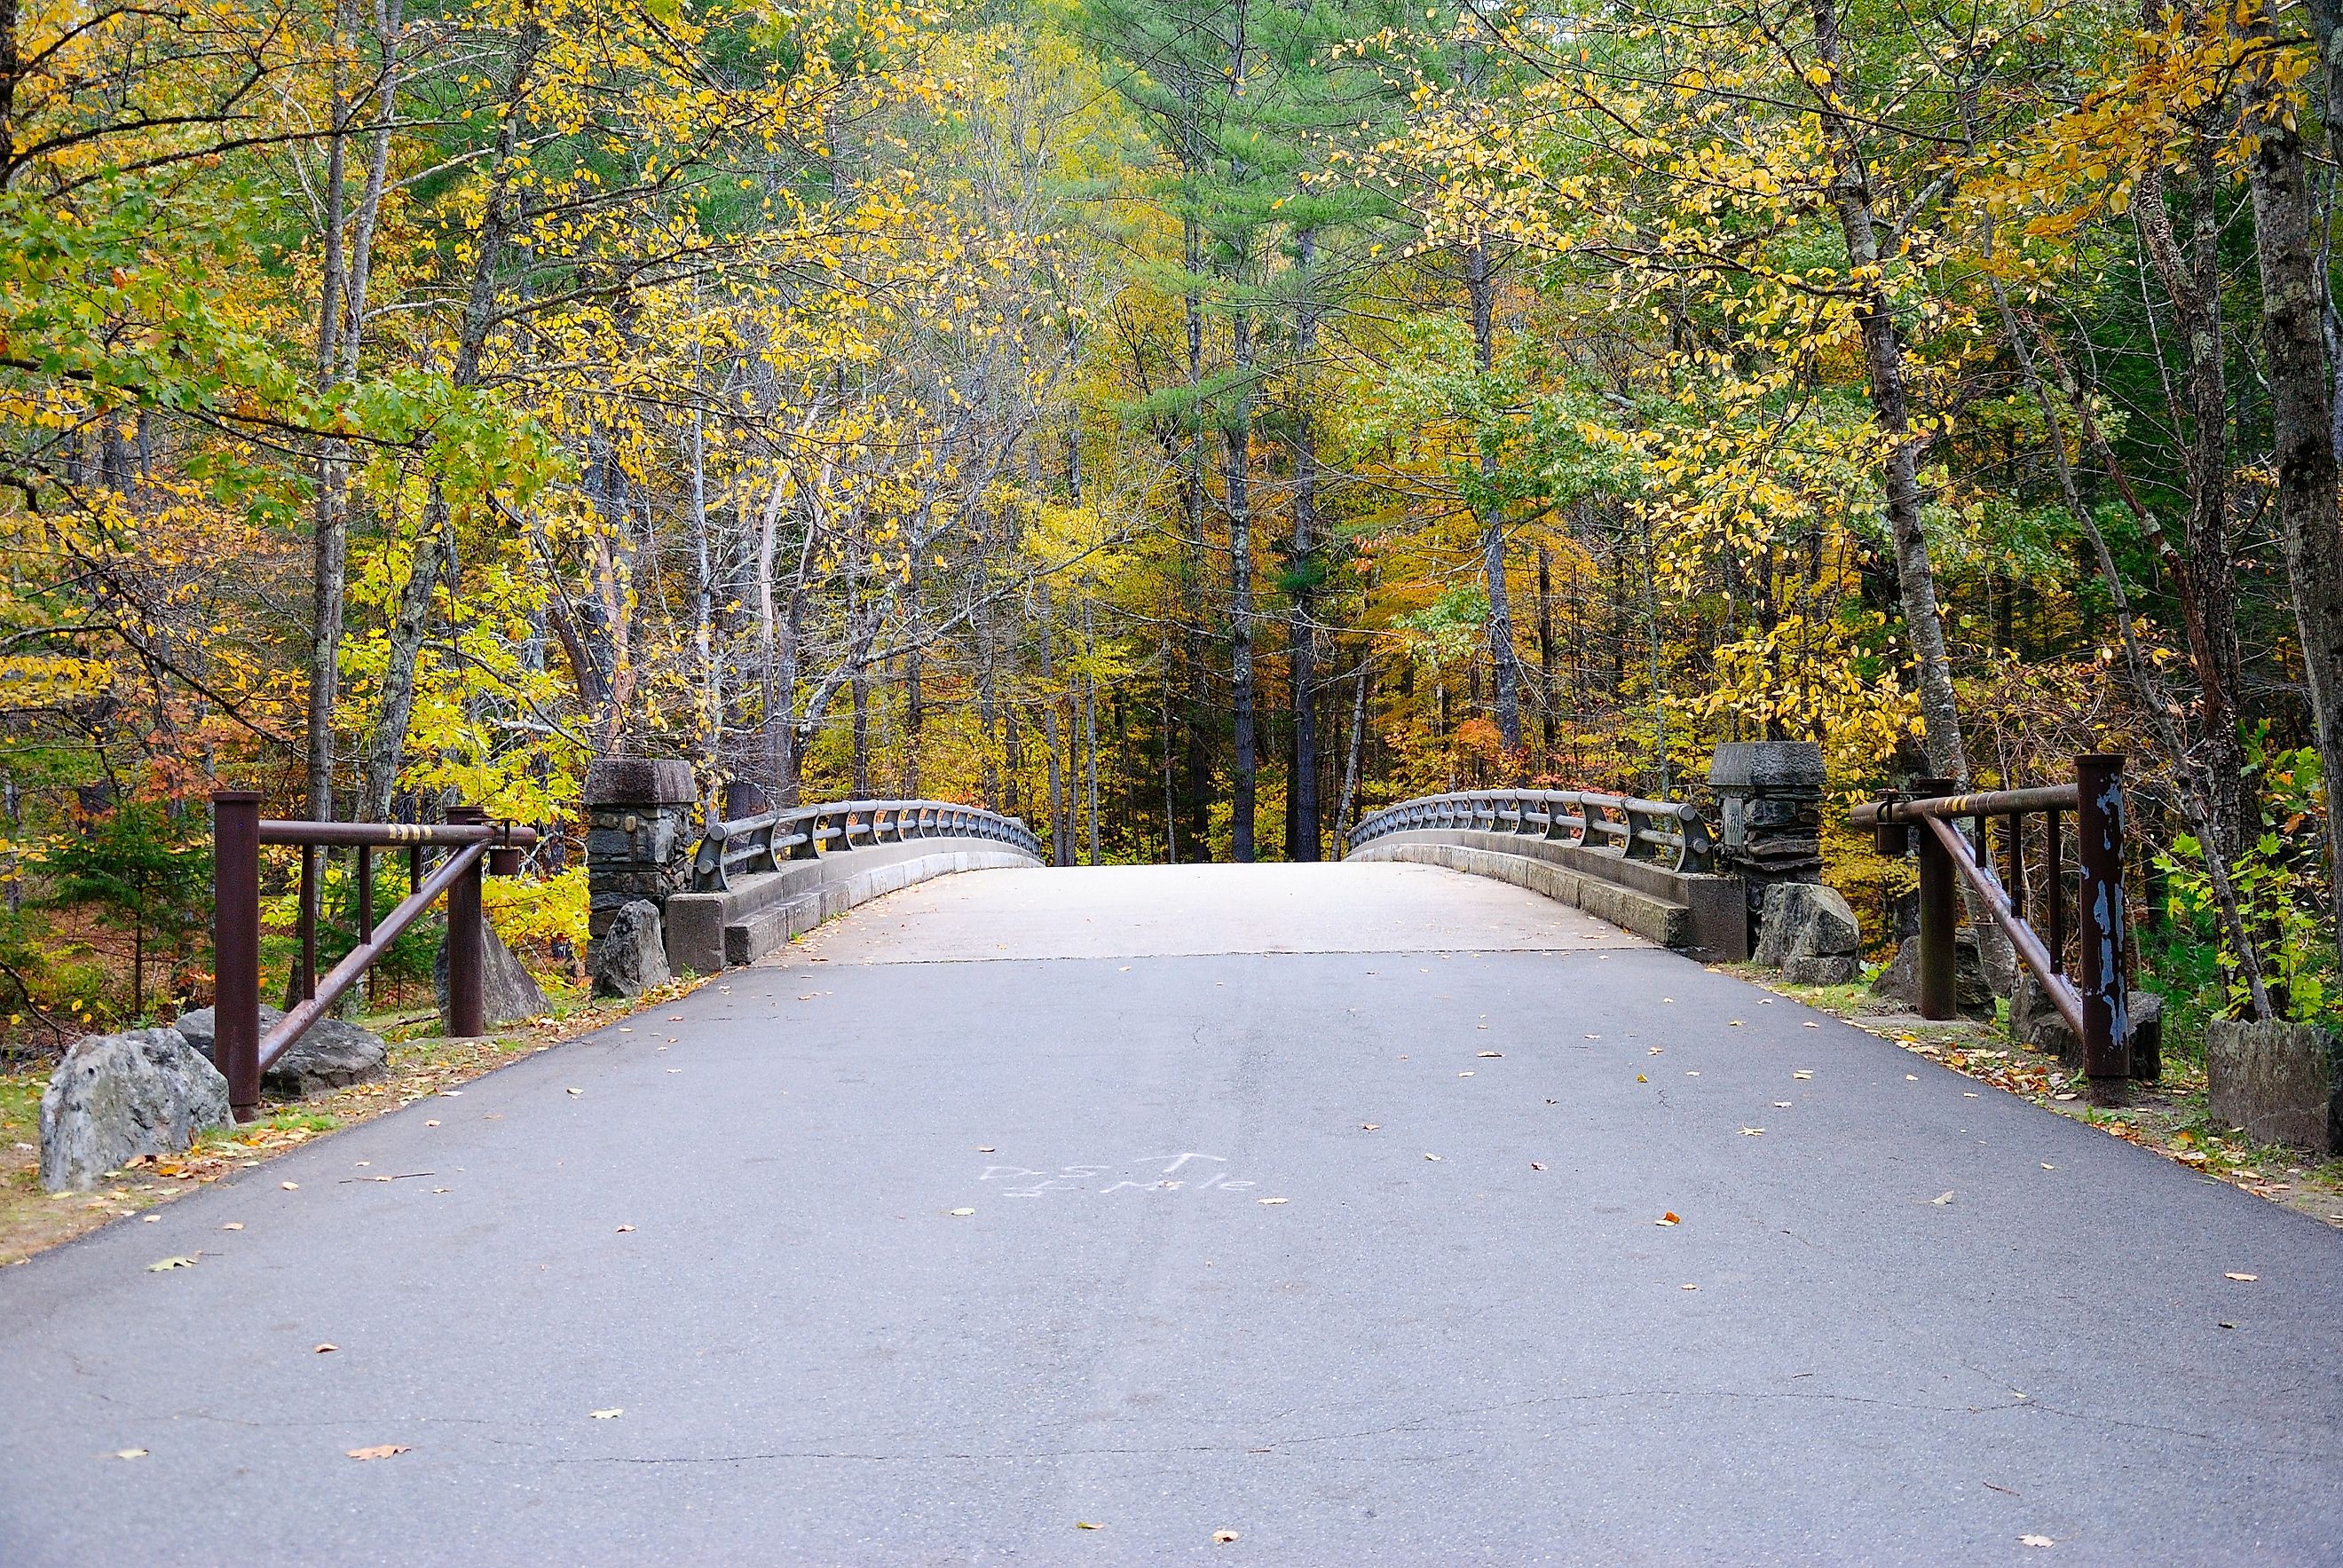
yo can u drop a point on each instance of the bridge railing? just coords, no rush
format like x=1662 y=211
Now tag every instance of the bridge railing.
x=749 y=845
x=1669 y=833
x=2094 y=1005
x=239 y=1049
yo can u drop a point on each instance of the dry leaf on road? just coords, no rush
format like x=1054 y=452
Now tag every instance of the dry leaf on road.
x=1222 y=1537
x=1670 y=1218
x=613 y=1413
x=380 y=1451
x=2247 y=1278
x=160 y=1264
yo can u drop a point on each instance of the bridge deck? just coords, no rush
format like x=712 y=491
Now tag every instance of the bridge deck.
x=930 y=1260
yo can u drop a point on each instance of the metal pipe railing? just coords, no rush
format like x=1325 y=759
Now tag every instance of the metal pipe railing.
x=238 y=832
x=2094 y=1004
x=1670 y=833
x=750 y=845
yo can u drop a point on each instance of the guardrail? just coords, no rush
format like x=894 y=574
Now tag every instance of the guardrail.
x=2095 y=1006
x=239 y=1048
x=750 y=845
x=1668 y=833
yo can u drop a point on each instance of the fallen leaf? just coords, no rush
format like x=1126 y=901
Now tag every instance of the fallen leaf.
x=1490 y=1054
x=1781 y=1105
x=2048 y=1167
x=1084 y=1524
x=233 y=1225
x=1222 y=1537
x=1811 y=1024
x=1463 y=1075
x=151 y=1219
x=1535 y=1166
x=1370 y=1126
x=613 y=1413
x=380 y=1451
x=2226 y=1325
x=324 y=1350
x=1734 y=1022
x=290 y=1186
x=1688 y=1287
x=129 y=1453
x=1270 y=1200
x=573 y=1092
x=430 y=1124
x=1801 y=1073
x=2247 y=1278
x=1752 y=1133
x=624 y=1228
x=961 y=1213
x=1434 y=1158
x=2036 y=1541
x=1942 y=1198
x=157 y=1267
x=1641 y=1079
x=1670 y=1218
x=985 y=1148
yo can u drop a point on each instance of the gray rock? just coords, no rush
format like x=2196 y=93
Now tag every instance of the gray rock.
x=332 y=1055
x=1805 y=920
x=117 y=1096
x=1972 y=996
x=508 y=992
x=1822 y=968
x=2277 y=1082
x=630 y=956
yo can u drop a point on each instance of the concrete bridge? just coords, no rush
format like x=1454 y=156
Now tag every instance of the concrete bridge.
x=1299 y=1214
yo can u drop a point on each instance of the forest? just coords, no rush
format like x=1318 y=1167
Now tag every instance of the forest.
x=1187 y=425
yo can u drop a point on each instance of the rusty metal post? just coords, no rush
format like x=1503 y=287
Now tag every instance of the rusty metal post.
x=1939 y=915
x=236 y=946
x=366 y=894
x=465 y=1011
x=2099 y=900
x=309 y=912
x=2013 y=834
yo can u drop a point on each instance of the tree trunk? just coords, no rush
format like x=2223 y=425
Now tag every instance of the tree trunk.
x=1236 y=471
x=1851 y=192
x=1481 y=287
x=1302 y=840
x=2302 y=408
x=387 y=747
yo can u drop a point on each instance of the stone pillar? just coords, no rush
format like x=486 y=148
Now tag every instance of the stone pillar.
x=638 y=834
x=1769 y=797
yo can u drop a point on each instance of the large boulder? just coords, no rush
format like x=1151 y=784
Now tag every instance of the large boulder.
x=1808 y=932
x=117 y=1096
x=2277 y=1082
x=629 y=958
x=332 y=1053
x=508 y=994
x=1972 y=995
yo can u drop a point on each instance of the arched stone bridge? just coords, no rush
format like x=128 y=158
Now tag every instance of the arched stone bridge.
x=1368 y=1211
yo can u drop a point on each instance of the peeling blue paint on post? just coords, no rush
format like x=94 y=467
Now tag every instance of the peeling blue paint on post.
x=2099 y=839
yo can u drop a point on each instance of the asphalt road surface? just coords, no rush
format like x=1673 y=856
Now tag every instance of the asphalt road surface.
x=1320 y=1205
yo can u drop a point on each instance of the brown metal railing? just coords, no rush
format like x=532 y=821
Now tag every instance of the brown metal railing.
x=2093 y=1003
x=239 y=1048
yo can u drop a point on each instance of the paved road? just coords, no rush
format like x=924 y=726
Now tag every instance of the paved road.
x=1925 y=1325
